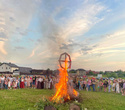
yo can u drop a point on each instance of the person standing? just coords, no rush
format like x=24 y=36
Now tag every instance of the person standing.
x=117 y=86
x=123 y=88
x=18 y=82
x=46 y=83
x=120 y=85
x=11 y=79
x=80 y=84
x=25 y=83
x=22 y=83
x=84 y=84
x=6 y=83
x=42 y=83
x=105 y=85
x=9 y=84
x=14 y=84
x=100 y=85
x=93 y=84
x=89 y=84
x=28 y=82
x=31 y=81
x=113 y=86
x=109 y=85
x=2 y=82
x=34 y=81
x=50 y=83
x=39 y=85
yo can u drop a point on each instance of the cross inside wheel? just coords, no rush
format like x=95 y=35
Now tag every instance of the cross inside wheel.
x=65 y=57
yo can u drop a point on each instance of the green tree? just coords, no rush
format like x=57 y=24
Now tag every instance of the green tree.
x=91 y=73
x=101 y=72
x=113 y=75
x=72 y=71
x=48 y=69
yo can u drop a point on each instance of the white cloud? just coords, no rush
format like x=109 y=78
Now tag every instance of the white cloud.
x=32 y=54
x=2 y=50
x=14 y=14
x=112 y=43
x=77 y=23
x=82 y=20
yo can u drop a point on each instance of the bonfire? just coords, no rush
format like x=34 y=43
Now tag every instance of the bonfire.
x=64 y=90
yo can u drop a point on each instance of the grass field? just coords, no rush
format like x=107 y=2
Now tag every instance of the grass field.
x=24 y=99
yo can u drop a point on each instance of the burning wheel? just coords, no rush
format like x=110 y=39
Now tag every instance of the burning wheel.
x=63 y=89
x=65 y=57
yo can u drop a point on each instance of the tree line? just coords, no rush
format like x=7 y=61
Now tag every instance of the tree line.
x=115 y=74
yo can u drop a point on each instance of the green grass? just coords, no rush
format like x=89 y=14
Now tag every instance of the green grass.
x=24 y=99
x=103 y=101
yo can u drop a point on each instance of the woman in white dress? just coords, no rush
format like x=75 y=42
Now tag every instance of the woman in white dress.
x=9 y=84
x=117 y=86
x=46 y=83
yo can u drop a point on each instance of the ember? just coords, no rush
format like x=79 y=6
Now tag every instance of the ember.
x=64 y=91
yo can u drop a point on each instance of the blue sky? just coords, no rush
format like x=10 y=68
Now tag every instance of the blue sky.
x=34 y=33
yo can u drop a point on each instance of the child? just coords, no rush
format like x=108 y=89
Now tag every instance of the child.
x=14 y=84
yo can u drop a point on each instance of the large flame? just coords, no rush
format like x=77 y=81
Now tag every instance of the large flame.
x=63 y=89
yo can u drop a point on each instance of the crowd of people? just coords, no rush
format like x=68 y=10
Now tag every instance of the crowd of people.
x=41 y=82
x=116 y=85
x=11 y=82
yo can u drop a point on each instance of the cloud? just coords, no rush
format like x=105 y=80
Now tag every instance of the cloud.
x=111 y=43
x=86 y=49
x=65 y=26
x=12 y=19
x=43 y=53
x=15 y=17
x=2 y=50
x=19 y=47
x=32 y=54
x=69 y=45
x=75 y=24
x=33 y=51
x=15 y=14
x=3 y=36
x=82 y=20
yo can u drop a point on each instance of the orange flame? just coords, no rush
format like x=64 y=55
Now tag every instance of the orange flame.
x=62 y=86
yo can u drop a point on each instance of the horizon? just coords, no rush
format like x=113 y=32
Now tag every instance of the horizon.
x=58 y=68
x=33 y=33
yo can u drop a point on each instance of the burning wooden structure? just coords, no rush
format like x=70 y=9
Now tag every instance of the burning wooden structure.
x=64 y=91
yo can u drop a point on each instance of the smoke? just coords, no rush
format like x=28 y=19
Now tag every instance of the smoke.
x=61 y=24
x=52 y=37
x=52 y=34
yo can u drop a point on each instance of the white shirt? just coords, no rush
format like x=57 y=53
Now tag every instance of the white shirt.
x=40 y=79
x=2 y=79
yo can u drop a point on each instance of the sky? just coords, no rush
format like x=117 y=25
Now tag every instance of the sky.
x=33 y=33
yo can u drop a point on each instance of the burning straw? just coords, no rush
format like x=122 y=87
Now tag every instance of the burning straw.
x=64 y=91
